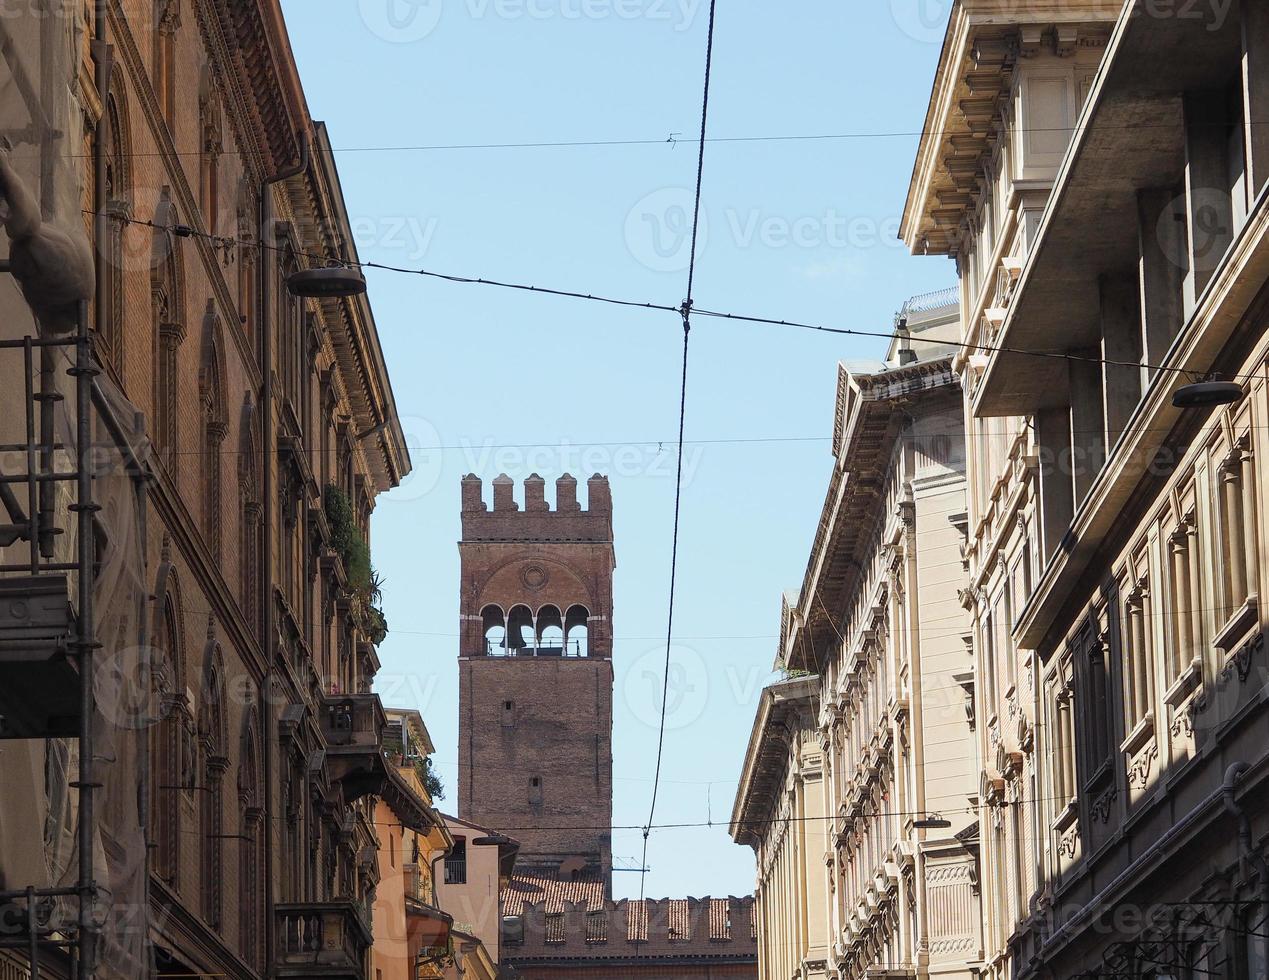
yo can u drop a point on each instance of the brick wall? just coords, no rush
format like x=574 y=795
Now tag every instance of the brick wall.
x=535 y=732
x=679 y=938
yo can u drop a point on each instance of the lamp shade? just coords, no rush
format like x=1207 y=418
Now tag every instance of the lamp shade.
x=332 y=282
x=1205 y=394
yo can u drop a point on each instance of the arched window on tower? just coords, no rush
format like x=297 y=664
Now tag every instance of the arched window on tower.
x=550 y=632
x=520 y=639
x=575 y=629
x=494 y=631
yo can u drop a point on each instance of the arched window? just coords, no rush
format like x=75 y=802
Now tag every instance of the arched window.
x=168 y=310
x=248 y=229
x=550 y=632
x=215 y=426
x=520 y=631
x=210 y=147
x=169 y=749
x=494 y=630
x=575 y=632
x=249 y=557
x=212 y=746
x=250 y=840
x=115 y=206
x=167 y=21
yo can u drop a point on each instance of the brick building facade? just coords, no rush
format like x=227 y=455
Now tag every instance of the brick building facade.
x=535 y=673
x=535 y=745
x=246 y=776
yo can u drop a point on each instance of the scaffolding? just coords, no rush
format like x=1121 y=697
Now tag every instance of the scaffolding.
x=47 y=650
x=73 y=716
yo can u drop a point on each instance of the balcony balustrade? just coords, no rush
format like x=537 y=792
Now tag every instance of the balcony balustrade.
x=352 y=725
x=321 y=939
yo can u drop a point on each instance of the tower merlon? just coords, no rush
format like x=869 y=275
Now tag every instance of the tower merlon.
x=537 y=520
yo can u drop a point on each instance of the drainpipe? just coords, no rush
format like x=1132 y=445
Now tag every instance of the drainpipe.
x=265 y=336
x=1247 y=853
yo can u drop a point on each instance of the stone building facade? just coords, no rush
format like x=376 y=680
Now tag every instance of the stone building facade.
x=878 y=624
x=782 y=812
x=265 y=430
x=1116 y=538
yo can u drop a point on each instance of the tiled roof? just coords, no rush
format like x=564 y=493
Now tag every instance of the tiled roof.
x=525 y=890
x=678 y=923
x=719 y=918
x=637 y=921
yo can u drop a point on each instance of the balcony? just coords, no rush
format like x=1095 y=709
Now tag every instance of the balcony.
x=39 y=683
x=352 y=725
x=321 y=939
x=427 y=927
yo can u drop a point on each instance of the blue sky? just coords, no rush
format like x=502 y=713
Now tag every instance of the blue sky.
x=794 y=229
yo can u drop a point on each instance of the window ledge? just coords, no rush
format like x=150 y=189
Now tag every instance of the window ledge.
x=1188 y=682
x=1238 y=625
x=1141 y=733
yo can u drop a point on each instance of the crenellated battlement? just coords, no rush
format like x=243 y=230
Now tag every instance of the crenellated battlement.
x=687 y=929
x=506 y=520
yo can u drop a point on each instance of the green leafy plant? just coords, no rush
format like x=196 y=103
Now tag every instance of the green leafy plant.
x=365 y=583
x=431 y=779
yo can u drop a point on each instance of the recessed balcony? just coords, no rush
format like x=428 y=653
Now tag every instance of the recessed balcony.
x=321 y=939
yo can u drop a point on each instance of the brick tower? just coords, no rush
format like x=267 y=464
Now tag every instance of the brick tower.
x=535 y=673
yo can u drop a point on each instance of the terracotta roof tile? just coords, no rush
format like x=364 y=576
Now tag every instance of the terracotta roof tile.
x=719 y=918
x=525 y=890
x=637 y=921
x=679 y=924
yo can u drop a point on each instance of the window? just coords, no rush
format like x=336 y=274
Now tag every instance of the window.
x=167 y=21
x=167 y=741
x=1138 y=657
x=1097 y=715
x=1185 y=596
x=508 y=714
x=212 y=737
x=168 y=313
x=535 y=789
x=209 y=150
x=215 y=427
x=1237 y=507
x=1062 y=706
x=456 y=863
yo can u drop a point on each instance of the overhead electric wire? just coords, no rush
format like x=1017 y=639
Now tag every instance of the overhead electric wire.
x=686 y=311
x=186 y=231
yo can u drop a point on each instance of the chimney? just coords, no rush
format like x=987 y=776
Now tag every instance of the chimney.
x=599 y=497
x=566 y=494
x=503 y=488
x=472 y=489
x=535 y=493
